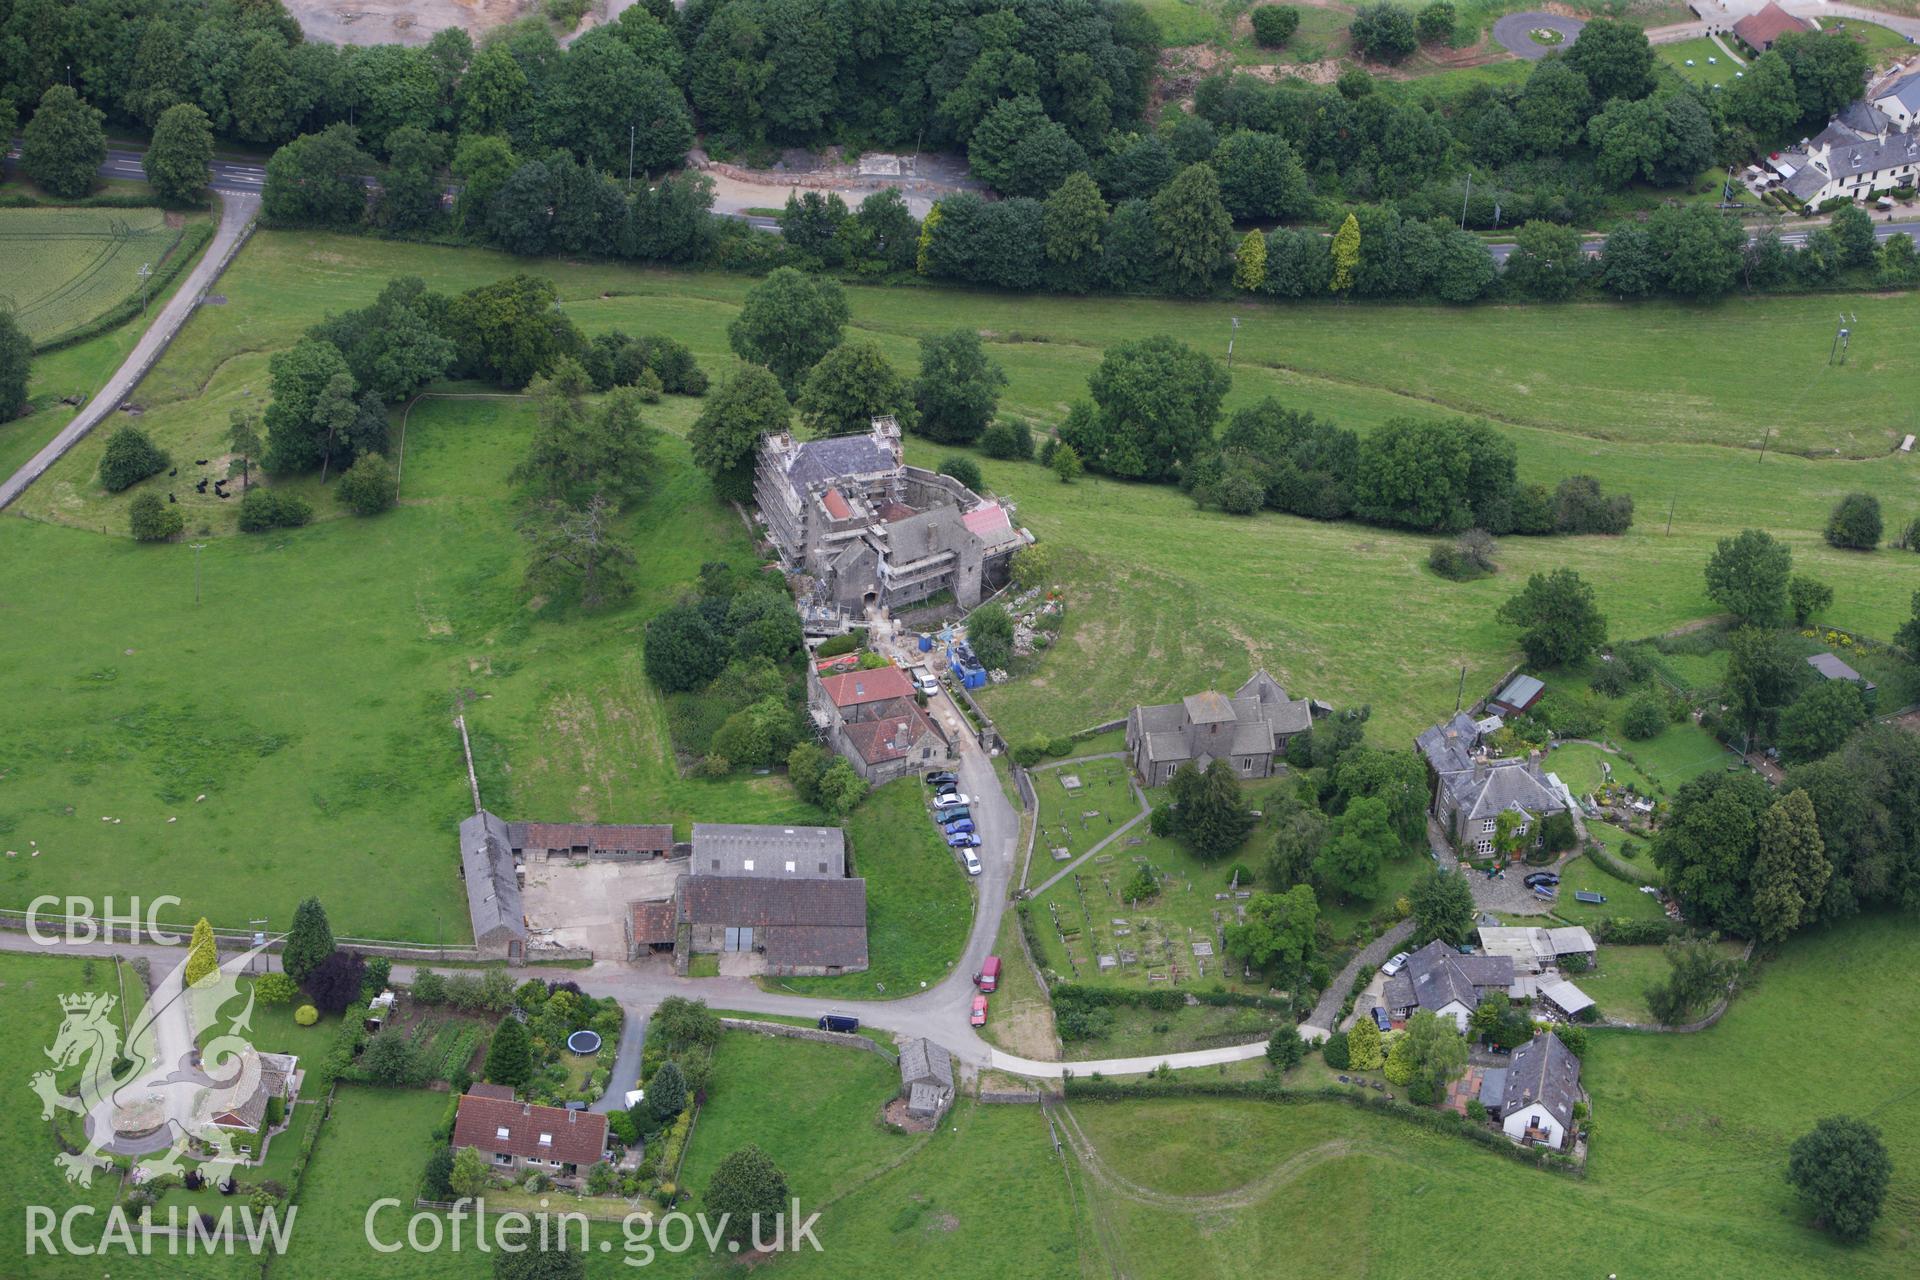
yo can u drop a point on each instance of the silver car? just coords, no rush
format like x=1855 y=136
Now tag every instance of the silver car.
x=1394 y=964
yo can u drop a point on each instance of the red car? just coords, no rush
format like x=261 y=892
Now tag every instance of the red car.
x=978 y=1017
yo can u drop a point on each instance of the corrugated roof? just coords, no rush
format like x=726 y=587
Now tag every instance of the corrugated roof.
x=633 y=837
x=738 y=849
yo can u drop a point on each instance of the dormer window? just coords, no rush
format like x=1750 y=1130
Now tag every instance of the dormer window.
x=546 y=1139
x=747 y=864
x=501 y=1133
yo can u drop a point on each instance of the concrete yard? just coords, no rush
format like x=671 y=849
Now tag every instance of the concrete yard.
x=585 y=905
x=412 y=22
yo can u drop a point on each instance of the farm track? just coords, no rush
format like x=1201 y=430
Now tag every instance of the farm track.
x=1241 y=1197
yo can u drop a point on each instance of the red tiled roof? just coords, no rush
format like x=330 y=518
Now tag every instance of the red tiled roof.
x=574 y=1137
x=653 y=922
x=990 y=519
x=649 y=838
x=836 y=504
x=501 y=1091
x=1759 y=30
x=857 y=688
x=877 y=740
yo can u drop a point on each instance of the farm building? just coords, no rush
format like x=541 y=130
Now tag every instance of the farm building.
x=1535 y=950
x=1834 y=669
x=1541 y=1085
x=1761 y=29
x=739 y=849
x=539 y=841
x=872 y=718
x=1565 y=999
x=926 y=1079
x=797 y=926
x=493 y=887
x=1250 y=730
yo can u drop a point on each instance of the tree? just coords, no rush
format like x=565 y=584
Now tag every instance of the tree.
x=666 y=1094
x=1646 y=717
x=850 y=386
x=203 y=955
x=1747 y=576
x=990 y=634
x=1547 y=261
x=470 y=1174
x=1274 y=24
x=179 y=161
x=151 y=520
x=1760 y=678
x=335 y=982
x=1908 y=636
x=960 y=467
x=1437 y=1050
x=1346 y=255
x=1156 y=401
x=1066 y=465
x=1364 y=1049
x=1442 y=907
x=578 y=549
x=683 y=650
x=1261 y=177
x=1764 y=99
x=958 y=388
x=130 y=457
x=312 y=403
x=726 y=436
x=308 y=941
x=1841 y=1168
x=1807 y=596
x=390 y=1060
x=1823 y=718
x=1214 y=819
x=1194 y=228
x=315 y=180
x=576 y=453
x=1285 y=1048
x=1559 y=622
x=1790 y=868
x=1855 y=523
x=1358 y=841
x=1075 y=218
x=1615 y=58
x=16 y=363
x=63 y=146
x=1697 y=974
x=1552 y=110
x=1250 y=263
x=243 y=436
x=542 y=1258
x=1664 y=140
x=1706 y=845
x=1828 y=69
x=745 y=1187
x=787 y=323
x=265 y=509
x=368 y=487
x=510 y=1055
x=1384 y=31
x=1899 y=263
x=1300 y=830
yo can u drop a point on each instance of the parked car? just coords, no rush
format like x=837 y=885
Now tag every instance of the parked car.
x=1539 y=878
x=943 y=780
x=989 y=975
x=633 y=1096
x=973 y=862
x=1380 y=1018
x=978 y=1018
x=951 y=813
x=924 y=682
x=963 y=840
x=1394 y=964
x=947 y=798
x=958 y=827
x=1546 y=892
x=839 y=1022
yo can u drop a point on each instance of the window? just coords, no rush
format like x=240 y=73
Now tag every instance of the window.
x=1246 y=766
x=501 y=1133
x=791 y=866
x=502 y=1158
x=546 y=1139
x=1488 y=825
x=747 y=864
x=1484 y=847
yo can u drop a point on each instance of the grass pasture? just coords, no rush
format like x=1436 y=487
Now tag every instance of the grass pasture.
x=1711 y=65
x=67 y=266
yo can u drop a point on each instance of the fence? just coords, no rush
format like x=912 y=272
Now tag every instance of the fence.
x=1010 y=1097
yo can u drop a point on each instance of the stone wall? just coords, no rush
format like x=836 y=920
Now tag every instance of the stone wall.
x=845 y=1040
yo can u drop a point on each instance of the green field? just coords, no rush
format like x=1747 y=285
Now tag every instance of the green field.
x=66 y=266
x=1703 y=72
x=1620 y=977
x=919 y=898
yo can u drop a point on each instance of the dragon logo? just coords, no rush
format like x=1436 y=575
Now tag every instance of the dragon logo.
x=157 y=1093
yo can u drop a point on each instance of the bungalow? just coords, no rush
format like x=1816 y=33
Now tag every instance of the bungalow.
x=1251 y=730
x=872 y=718
x=521 y=1135
x=278 y=1076
x=926 y=1079
x=1439 y=979
x=1760 y=29
x=1834 y=669
x=1541 y=1086
x=1537 y=950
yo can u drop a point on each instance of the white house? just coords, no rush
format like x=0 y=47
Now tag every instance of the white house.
x=1866 y=148
x=1542 y=1084
x=1900 y=100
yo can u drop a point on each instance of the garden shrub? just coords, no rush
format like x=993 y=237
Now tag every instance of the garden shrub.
x=1646 y=717
x=131 y=456
x=151 y=520
x=275 y=988
x=306 y=1015
x=1335 y=1051
x=264 y=509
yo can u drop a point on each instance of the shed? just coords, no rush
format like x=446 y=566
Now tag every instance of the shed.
x=1521 y=693
x=1568 y=999
x=1834 y=669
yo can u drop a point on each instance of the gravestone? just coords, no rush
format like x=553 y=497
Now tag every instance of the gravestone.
x=1071 y=781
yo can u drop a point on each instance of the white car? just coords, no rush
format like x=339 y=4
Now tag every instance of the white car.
x=925 y=683
x=972 y=860
x=633 y=1096
x=1394 y=964
x=951 y=799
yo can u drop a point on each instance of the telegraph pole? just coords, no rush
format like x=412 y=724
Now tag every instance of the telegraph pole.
x=1463 y=202
x=146 y=269
x=1230 y=337
x=198 y=547
x=631 y=130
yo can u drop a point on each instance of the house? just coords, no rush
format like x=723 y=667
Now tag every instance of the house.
x=780 y=853
x=522 y=1135
x=1899 y=101
x=799 y=925
x=493 y=887
x=1519 y=695
x=1834 y=669
x=1864 y=149
x=1250 y=730
x=1537 y=950
x=872 y=718
x=870 y=531
x=1440 y=979
x=1541 y=1086
x=1450 y=747
x=278 y=1076
x=1565 y=999
x=1759 y=30
x=926 y=1079
x=1469 y=803
x=539 y=841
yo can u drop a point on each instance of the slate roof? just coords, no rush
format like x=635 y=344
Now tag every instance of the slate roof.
x=1437 y=975
x=889 y=738
x=762 y=852
x=924 y=1099
x=923 y=536
x=924 y=1062
x=1851 y=155
x=493 y=887
x=856 y=688
x=1545 y=1071
x=1286 y=715
x=1208 y=707
x=500 y=1126
x=820 y=460
x=1832 y=667
x=1863 y=117
x=1260 y=710
x=1906 y=90
x=1478 y=794
x=636 y=838
x=805 y=921
x=1761 y=28
x=1448 y=747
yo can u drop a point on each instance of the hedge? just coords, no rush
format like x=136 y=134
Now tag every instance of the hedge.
x=1617 y=867
x=191 y=241
x=1622 y=932
x=1070 y=994
x=1269 y=1089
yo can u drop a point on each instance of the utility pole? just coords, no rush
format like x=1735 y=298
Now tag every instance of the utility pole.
x=198 y=547
x=1763 y=445
x=631 y=130
x=146 y=269
x=1460 y=698
x=1230 y=336
x=1463 y=202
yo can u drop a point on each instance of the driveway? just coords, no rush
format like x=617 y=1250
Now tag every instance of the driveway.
x=626 y=1063
x=1515 y=33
